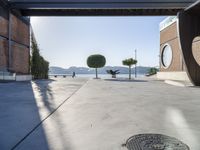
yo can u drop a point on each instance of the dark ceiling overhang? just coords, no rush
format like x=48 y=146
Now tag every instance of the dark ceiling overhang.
x=194 y=8
x=100 y=12
x=99 y=7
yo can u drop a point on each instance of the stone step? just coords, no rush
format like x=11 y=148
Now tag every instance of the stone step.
x=7 y=76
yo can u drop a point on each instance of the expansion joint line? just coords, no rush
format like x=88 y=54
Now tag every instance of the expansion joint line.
x=38 y=125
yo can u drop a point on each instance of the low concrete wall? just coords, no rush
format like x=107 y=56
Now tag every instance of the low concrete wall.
x=179 y=76
x=7 y=78
x=23 y=77
x=16 y=77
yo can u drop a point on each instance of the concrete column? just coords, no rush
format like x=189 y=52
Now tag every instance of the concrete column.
x=188 y=29
x=9 y=41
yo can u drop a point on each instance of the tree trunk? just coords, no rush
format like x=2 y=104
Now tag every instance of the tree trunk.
x=96 y=73
x=129 y=72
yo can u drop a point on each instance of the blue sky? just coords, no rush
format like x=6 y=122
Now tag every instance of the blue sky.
x=68 y=41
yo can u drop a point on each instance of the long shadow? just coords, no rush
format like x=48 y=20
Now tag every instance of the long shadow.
x=24 y=110
x=45 y=89
x=19 y=114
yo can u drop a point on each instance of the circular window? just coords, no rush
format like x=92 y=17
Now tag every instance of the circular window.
x=166 y=56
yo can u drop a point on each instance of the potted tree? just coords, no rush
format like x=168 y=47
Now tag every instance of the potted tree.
x=152 y=71
x=113 y=72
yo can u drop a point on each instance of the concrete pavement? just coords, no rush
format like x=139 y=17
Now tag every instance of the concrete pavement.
x=103 y=114
x=23 y=105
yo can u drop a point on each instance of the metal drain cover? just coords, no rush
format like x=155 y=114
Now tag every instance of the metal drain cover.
x=154 y=142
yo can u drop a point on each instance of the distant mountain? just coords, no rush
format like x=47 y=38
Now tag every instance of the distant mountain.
x=57 y=70
x=85 y=70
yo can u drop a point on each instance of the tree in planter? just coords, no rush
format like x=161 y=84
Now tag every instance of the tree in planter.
x=129 y=62
x=152 y=71
x=96 y=61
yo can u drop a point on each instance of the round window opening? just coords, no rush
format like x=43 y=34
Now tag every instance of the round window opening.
x=166 y=56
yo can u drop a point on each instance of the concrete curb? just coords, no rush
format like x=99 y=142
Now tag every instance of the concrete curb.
x=175 y=83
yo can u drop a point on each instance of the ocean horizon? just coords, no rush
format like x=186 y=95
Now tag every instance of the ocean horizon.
x=100 y=75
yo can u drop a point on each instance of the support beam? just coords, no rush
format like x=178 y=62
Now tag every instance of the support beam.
x=99 y=12
x=99 y=7
x=96 y=4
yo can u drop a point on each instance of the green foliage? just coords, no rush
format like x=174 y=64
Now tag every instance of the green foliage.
x=113 y=72
x=96 y=61
x=129 y=62
x=39 y=66
x=152 y=71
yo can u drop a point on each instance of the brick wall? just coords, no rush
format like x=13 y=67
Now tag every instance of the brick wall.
x=20 y=43
x=169 y=35
x=3 y=26
x=20 y=31
x=3 y=54
x=3 y=22
x=20 y=59
x=3 y=40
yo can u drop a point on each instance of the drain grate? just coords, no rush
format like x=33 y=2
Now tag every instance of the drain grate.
x=154 y=142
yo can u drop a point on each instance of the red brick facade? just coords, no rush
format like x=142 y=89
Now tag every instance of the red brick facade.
x=20 y=59
x=20 y=43
x=20 y=31
x=169 y=35
x=3 y=54
x=3 y=26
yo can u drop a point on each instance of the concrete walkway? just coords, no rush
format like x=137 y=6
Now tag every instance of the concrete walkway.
x=23 y=105
x=103 y=114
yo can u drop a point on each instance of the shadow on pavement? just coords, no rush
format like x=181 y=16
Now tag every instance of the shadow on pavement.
x=19 y=114
x=46 y=92
x=23 y=108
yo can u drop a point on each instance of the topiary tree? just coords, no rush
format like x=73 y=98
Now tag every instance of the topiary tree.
x=96 y=61
x=129 y=62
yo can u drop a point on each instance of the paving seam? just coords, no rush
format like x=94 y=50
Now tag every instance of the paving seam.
x=29 y=133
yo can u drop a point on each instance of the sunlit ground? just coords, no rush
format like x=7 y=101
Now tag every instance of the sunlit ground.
x=97 y=114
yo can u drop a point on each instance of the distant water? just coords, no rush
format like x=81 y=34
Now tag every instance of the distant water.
x=104 y=76
x=108 y=76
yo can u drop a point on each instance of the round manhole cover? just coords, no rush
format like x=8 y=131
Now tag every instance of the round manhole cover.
x=154 y=142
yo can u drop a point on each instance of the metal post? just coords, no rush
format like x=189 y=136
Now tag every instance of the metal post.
x=136 y=63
